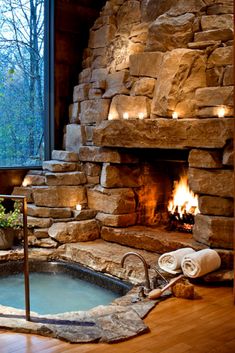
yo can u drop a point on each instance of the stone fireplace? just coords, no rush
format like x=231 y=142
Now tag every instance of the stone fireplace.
x=154 y=100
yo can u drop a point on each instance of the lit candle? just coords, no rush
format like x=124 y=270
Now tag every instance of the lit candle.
x=78 y=207
x=125 y=115
x=174 y=115
x=221 y=112
x=141 y=116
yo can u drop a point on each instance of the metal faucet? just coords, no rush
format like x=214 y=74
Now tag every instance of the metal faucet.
x=146 y=266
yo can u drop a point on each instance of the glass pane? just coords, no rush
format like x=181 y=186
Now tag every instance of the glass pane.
x=21 y=82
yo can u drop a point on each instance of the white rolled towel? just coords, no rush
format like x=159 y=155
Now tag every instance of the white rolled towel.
x=200 y=263
x=171 y=261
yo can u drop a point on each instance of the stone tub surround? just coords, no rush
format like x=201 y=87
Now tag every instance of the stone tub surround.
x=120 y=320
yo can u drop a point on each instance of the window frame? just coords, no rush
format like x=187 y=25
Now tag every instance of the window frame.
x=49 y=58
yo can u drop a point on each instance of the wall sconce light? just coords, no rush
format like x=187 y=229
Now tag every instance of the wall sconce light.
x=175 y=115
x=221 y=112
x=125 y=115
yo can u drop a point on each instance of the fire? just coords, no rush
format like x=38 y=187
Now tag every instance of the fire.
x=183 y=199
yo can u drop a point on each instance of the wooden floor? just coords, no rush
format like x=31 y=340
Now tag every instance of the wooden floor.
x=203 y=325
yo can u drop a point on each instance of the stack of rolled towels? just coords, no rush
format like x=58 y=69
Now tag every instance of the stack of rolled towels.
x=193 y=263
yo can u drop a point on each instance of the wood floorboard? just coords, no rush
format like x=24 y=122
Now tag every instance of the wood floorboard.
x=203 y=325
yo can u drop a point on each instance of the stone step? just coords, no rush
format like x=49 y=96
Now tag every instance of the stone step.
x=59 y=166
x=66 y=156
x=69 y=178
x=159 y=240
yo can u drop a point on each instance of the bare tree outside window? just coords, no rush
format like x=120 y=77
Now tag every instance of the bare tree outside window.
x=21 y=82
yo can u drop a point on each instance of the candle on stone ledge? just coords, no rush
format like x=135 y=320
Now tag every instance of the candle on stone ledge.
x=141 y=116
x=174 y=115
x=221 y=112
x=125 y=115
x=78 y=207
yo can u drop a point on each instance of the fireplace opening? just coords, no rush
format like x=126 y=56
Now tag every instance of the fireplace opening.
x=164 y=198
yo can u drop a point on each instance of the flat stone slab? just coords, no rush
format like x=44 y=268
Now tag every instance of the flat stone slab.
x=164 y=133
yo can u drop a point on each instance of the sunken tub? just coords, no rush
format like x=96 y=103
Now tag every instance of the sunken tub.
x=71 y=302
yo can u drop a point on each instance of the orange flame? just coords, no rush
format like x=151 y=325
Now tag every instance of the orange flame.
x=183 y=199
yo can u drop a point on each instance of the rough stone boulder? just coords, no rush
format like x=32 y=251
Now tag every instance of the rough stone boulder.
x=116 y=84
x=183 y=71
x=72 y=232
x=120 y=220
x=128 y=13
x=112 y=201
x=101 y=37
x=51 y=212
x=205 y=159
x=71 y=178
x=217 y=206
x=168 y=33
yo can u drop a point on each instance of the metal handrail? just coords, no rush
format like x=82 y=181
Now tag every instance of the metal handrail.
x=23 y=199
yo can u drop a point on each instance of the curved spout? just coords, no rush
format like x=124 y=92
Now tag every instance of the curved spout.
x=146 y=266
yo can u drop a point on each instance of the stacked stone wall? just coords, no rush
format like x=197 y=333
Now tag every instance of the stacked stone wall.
x=145 y=60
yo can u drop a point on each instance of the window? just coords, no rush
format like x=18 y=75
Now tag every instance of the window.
x=22 y=90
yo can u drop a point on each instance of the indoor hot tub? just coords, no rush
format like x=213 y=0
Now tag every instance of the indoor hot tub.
x=71 y=302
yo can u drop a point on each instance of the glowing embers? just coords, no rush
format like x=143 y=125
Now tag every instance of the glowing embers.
x=182 y=207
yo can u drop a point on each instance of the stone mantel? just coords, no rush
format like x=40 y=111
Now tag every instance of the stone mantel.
x=164 y=133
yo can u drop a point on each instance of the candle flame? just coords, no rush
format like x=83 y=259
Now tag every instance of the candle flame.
x=175 y=115
x=78 y=207
x=125 y=115
x=221 y=112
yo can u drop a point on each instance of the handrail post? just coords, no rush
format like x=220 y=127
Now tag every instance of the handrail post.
x=26 y=261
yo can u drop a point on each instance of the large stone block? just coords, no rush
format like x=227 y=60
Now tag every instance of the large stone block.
x=219 y=7
x=146 y=64
x=183 y=71
x=214 y=231
x=217 y=22
x=113 y=176
x=211 y=182
x=164 y=133
x=65 y=156
x=217 y=206
x=59 y=166
x=128 y=104
x=99 y=75
x=214 y=96
x=205 y=159
x=74 y=137
x=112 y=201
x=73 y=178
x=49 y=212
x=102 y=36
x=59 y=196
x=106 y=155
x=221 y=57
x=85 y=75
x=122 y=220
x=92 y=169
x=94 y=111
x=33 y=179
x=168 y=33
x=116 y=84
x=72 y=232
x=228 y=154
x=215 y=34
